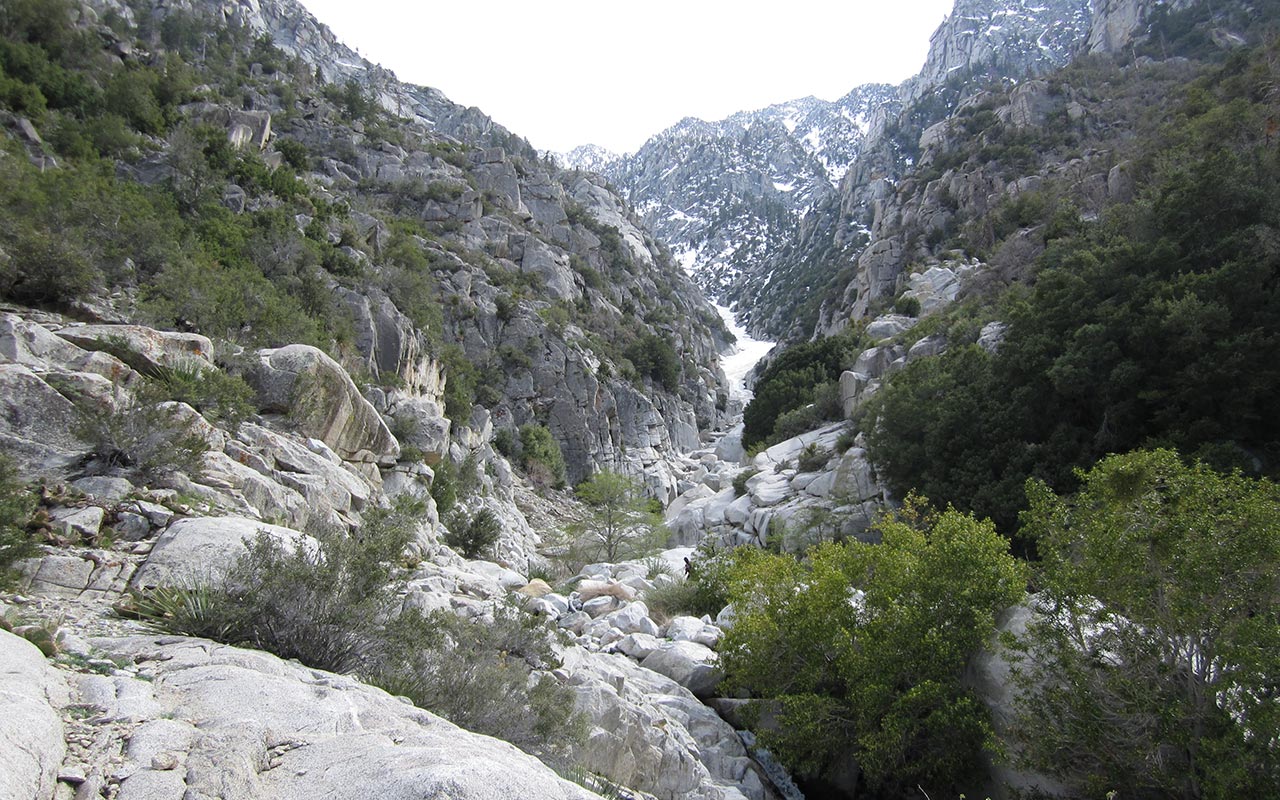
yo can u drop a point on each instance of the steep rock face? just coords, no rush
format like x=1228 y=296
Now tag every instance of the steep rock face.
x=319 y=396
x=1011 y=37
x=293 y=29
x=1116 y=23
x=748 y=202
x=851 y=244
x=544 y=277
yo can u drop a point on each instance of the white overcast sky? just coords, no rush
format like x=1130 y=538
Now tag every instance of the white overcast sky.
x=567 y=72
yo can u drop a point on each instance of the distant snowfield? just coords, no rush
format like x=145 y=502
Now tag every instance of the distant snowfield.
x=737 y=363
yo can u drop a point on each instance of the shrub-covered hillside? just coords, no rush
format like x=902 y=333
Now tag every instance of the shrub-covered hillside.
x=1117 y=219
x=173 y=164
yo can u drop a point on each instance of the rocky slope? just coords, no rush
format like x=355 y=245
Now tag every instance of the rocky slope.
x=128 y=713
x=549 y=268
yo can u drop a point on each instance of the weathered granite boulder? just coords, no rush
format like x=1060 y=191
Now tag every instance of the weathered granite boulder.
x=651 y=734
x=145 y=349
x=991 y=335
x=889 y=326
x=855 y=389
x=633 y=618
x=693 y=666
x=35 y=346
x=198 y=549
x=37 y=424
x=320 y=397
x=32 y=746
x=76 y=574
x=218 y=721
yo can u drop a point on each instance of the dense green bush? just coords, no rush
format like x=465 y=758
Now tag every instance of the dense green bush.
x=654 y=358
x=859 y=651
x=540 y=456
x=1152 y=671
x=795 y=378
x=474 y=535
x=444 y=486
x=218 y=396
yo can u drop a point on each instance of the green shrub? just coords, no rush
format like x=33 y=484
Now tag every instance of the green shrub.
x=460 y=385
x=473 y=536
x=654 y=358
x=540 y=456
x=875 y=675
x=506 y=443
x=444 y=488
x=295 y=153
x=324 y=606
x=812 y=458
x=506 y=306
x=908 y=306
x=740 y=481
x=44 y=267
x=219 y=396
x=490 y=677
x=801 y=375
x=1152 y=672
x=674 y=598
x=846 y=440
x=148 y=439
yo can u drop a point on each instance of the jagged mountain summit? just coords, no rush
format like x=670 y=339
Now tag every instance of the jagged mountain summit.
x=1007 y=37
x=731 y=197
x=724 y=194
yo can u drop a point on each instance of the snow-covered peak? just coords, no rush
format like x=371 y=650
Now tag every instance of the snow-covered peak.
x=589 y=157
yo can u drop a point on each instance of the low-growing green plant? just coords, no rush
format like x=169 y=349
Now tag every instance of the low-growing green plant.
x=656 y=566
x=908 y=306
x=674 y=598
x=594 y=783
x=506 y=443
x=219 y=396
x=861 y=650
x=324 y=606
x=740 y=481
x=812 y=458
x=847 y=439
x=444 y=487
x=540 y=456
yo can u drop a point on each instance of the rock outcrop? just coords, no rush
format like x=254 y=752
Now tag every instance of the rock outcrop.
x=322 y=400
x=206 y=719
x=32 y=743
